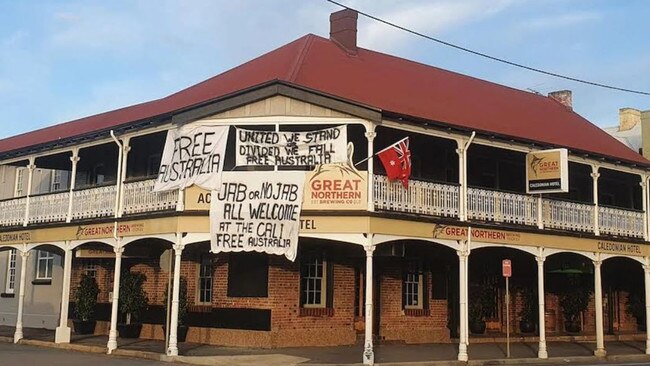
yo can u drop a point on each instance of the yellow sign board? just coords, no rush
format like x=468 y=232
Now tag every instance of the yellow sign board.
x=547 y=171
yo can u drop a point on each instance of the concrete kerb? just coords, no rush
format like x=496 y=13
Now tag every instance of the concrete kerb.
x=280 y=359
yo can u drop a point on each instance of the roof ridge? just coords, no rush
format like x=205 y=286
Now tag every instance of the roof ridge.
x=295 y=68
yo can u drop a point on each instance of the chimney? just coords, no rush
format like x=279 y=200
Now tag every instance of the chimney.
x=564 y=97
x=628 y=118
x=645 y=134
x=343 y=29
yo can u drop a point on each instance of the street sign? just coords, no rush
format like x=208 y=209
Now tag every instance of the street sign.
x=507 y=268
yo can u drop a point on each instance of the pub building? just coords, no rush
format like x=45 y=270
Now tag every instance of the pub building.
x=413 y=261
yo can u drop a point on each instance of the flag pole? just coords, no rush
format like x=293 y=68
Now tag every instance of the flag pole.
x=380 y=151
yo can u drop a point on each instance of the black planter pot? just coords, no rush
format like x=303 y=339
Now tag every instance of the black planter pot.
x=572 y=326
x=526 y=327
x=129 y=330
x=477 y=326
x=84 y=326
x=181 y=332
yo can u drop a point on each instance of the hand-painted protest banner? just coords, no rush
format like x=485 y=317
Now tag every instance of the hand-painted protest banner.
x=193 y=154
x=291 y=148
x=257 y=211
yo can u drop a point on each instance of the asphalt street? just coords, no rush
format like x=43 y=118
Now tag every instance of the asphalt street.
x=13 y=355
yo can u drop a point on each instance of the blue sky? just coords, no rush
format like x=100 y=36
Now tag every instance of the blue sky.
x=62 y=60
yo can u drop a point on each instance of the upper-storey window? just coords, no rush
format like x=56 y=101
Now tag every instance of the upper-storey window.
x=20 y=182
x=55 y=184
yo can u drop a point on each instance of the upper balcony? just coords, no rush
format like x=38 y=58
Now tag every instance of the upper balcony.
x=494 y=190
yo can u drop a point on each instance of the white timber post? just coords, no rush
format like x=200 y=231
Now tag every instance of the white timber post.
x=368 y=350
x=112 y=335
x=540 y=212
x=595 y=175
x=24 y=254
x=30 y=177
x=598 y=304
x=542 y=352
x=644 y=205
x=173 y=325
x=180 y=205
x=646 y=271
x=370 y=135
x=463 y=254
x=74 y=159
x=63 y=331
x=461 y=180
x=125 y=158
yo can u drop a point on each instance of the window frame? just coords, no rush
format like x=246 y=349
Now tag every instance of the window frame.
x=19 y=186
x=312 y=260
x=408 y=281
x=48 y=258
x=56 y=179
x=204 y=261
x=10 y=283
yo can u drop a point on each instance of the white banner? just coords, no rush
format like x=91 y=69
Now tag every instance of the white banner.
x=193 y=154
x=291 y=148
x=257 y=211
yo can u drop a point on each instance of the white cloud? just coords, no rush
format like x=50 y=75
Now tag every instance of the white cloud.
x=431 y=18
x=561 y=20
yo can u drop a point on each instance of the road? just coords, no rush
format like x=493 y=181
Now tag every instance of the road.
x=12 y=354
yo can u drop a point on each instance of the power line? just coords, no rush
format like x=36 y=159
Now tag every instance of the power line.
x=493 y=58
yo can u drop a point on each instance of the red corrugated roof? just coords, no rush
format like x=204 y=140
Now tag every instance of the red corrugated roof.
x=378 y=80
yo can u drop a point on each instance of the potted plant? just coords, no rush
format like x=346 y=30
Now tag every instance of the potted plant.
x=573 y=302
x=182 y=329
x=133 y=301
x=85 y=302
x=636 y=307
x=528 y=312
x=479 y=308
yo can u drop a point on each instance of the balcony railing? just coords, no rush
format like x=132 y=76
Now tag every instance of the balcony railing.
x=12 y=212
x=490 y=205
x=94 y=202
x=139 y=197
x=615 y=221
x=49 y=207
x=426 y=198
x=421 y=197
x=568 y=215
x=497 y=206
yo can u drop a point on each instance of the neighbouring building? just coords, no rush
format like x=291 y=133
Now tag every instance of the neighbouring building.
x=633 y=130
x=383 y=263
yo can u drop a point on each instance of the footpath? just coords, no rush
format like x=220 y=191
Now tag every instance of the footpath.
x=388 y=354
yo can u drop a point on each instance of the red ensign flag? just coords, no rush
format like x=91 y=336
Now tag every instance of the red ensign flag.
x=397 y=161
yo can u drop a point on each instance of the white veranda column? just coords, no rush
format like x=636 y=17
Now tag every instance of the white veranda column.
x=368 y=351
x=542 y=352
x=646 y=271
x=370 y=135
x=595 y=175
x=112 y=335
x=173 y=325
x=74 y=159
x=63 y=331
x=125 y=159
x=598 y=297
x=30 y=179
x=461 y=180
x=644 y=205
x=463 y=254
x=18 y=335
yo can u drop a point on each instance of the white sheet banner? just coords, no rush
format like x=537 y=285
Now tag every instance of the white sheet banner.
x=291 y=148
x=257 y=211
x=193 y=154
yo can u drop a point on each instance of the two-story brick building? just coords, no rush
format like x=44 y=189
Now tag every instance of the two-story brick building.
x=400 y=264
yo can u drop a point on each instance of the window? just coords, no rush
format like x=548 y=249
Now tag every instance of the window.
x=99 y=175
x=313 y=277
x=44 y=263
x=412 y=286
x=90 y=268
x=55 y=184
x=10 y=287
x=248 y=275
x=20 y=182
x=205 y=281
x=153 y=164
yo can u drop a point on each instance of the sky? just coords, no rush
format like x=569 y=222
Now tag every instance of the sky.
x=63 y=60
